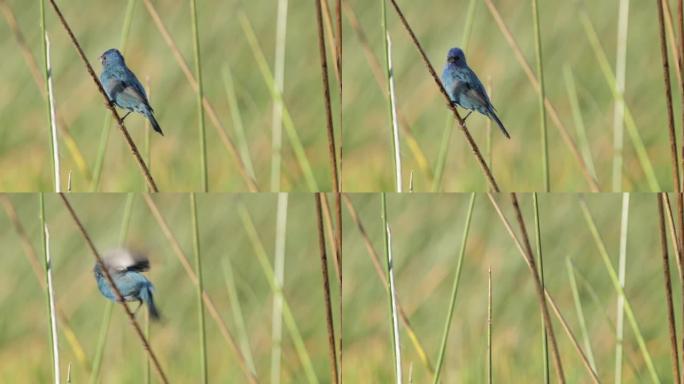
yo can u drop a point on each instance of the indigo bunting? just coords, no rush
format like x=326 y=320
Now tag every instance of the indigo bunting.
x=123 y=88
x=125 y=268
x=465 y=89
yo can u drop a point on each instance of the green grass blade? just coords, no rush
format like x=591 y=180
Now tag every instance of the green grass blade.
x=236 y=309
x=237 y=120
x=542 y=96
x=540 y=261
x=580 y=313
x=200 y=287
x=622 y=265
x=582 y=138
x=200 y=98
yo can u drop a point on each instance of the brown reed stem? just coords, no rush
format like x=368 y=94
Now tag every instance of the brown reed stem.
x=332 y=351
x=668 y=290
x=553 y=114
x=539 y=288
x=117 y=293
x=110 y=105
x=461 y=123
x=326 y=96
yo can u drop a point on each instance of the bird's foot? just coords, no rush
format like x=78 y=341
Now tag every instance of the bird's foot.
x=140 y=303
x=125 y=116
x=466 y=116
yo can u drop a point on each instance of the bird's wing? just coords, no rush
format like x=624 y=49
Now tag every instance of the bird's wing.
x=136 y=85
x=124 y=93
x=477 y=90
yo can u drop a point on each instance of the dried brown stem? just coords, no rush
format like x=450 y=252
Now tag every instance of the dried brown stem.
x=117 y=293
x=110 y=105
x=668 y=290
x=461 y=123
x=332 y=351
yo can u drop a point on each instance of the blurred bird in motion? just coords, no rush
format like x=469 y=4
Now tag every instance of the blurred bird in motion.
x=125 y=268
x=465 y=89
x=123 y=88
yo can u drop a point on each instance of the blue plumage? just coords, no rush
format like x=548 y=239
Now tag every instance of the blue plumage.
x=123 y=88
x=125 y=269
x=465 y=89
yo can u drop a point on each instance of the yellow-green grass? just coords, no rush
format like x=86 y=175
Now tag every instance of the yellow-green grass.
x=25 y=151
x=24 y=340
x=427 y=235
x=517 y=163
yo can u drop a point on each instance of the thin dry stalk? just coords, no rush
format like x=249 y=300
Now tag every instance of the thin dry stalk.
x=326 y=96
x=489 y=327
x=673 y=233
x=461 y=123
x=540 y=289
x=211 y=308
x=553 y=114
x=110 y=281
x=110 y=105
x=208 y=108
x=668 y=290
x=332 y=351
x=555 y=308
x=375 y=259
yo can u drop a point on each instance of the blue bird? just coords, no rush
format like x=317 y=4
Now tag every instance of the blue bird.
x=465 y=89
x=125 y=269
x=123 y=88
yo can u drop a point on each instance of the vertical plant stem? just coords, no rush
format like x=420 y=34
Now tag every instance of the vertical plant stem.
x=489 y=327
x=671 y=322
x=200 y=289
x=454 y=290
x=53 y=120
x=107 y=314
x=542 y=95
x=50 y=293
x=582 y=139
x=332 y=351
x=620 y=291
x=619 y=112
x=279 y=73
x=104 y=136
x=468 y=25
x=236 y=309
x=622 y=265
x=204 y=185
x=391 y=289
x=537 y=230
x=391 y=101
x=279 y=274
x=48 y=88
x=580 y=313
x=148 y=131
x=237 y=120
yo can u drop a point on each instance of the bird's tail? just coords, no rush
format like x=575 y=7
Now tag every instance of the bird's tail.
x=498 y=122
x=146 y=296
x=153 y=121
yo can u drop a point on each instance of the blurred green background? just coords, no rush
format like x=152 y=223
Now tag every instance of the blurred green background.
x=25 y=162
x=427 y=231
x=24 y=332
x=517 y=163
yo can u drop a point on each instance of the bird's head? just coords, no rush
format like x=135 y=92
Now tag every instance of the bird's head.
x=111 y=56
x=456 y=56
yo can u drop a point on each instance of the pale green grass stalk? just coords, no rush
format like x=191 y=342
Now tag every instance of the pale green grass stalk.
x=396 y=143
x=106 y=127
x=107 y=314
x=147 y=134
x=620 y=291
x=46 y=79
x=288 y=316
x=200 y=288
x=630 y=123
x=277 y=96
x=391 y=289
x=448 y=128
x=580 y=313
x=454 y=290
x=279 y=274
x=391 y=101
x=200 y=98
x=582 y=138
x=237 y=120
x=540 y=261
x=279 y=83
x=619 y=112
x=489 y=328
x=50 y=293
x=622 y=265
x=236 y=309
x=542 y=96
x=53 y=120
